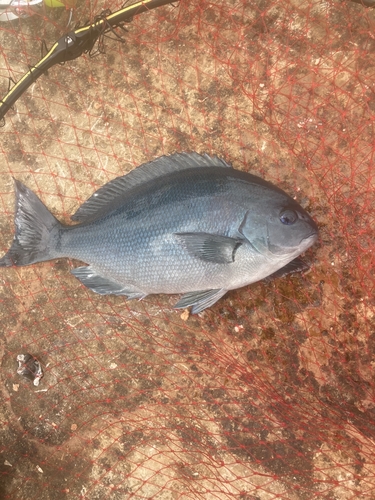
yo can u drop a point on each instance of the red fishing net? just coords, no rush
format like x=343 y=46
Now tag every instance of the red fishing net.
x=268 y=394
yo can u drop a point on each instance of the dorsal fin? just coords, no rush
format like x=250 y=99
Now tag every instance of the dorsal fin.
x=110 y=196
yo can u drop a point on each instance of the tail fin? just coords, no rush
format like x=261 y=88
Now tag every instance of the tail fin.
x=33 y=224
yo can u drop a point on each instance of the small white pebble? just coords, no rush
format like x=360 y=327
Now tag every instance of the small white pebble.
x=39 y=469
x=8 y=463
x=185 y=315
x=113 y=366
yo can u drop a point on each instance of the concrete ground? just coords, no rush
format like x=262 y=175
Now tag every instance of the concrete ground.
x=270 y=393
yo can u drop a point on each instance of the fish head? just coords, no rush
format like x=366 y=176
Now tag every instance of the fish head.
x=281 y=229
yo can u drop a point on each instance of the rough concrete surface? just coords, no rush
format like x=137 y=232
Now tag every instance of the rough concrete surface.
x=268 y=394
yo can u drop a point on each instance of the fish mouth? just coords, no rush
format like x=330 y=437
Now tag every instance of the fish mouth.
x=308 y=241
x=313 y=237
x=305 y=243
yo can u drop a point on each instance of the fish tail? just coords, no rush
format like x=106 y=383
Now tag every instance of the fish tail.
x=35 y=235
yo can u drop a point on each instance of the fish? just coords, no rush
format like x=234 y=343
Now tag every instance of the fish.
x=186 y=223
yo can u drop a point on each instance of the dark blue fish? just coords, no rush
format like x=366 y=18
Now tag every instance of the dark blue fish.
x=185 y=223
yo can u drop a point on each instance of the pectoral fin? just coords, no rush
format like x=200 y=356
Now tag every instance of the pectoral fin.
x=200 y=300
x=104 y=286
x=210 y=247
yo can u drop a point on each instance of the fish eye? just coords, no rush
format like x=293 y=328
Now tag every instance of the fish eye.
x=288 y=217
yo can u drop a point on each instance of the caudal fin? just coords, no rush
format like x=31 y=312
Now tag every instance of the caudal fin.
x=33 y=225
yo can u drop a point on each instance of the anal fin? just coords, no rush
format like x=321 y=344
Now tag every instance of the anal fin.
x=104 y=286
x=200 y=300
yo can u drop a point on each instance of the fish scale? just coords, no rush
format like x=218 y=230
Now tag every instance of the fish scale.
x=147 y=265
x=185 y=223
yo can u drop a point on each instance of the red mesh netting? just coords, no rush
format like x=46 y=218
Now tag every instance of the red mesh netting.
x=271 y=392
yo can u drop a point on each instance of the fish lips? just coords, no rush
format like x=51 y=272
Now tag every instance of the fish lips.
x=305 y=243
x=308 y=241
x=311 y=238
x=312 y=232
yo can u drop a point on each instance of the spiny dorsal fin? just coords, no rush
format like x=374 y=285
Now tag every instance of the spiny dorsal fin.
x=110 y=196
